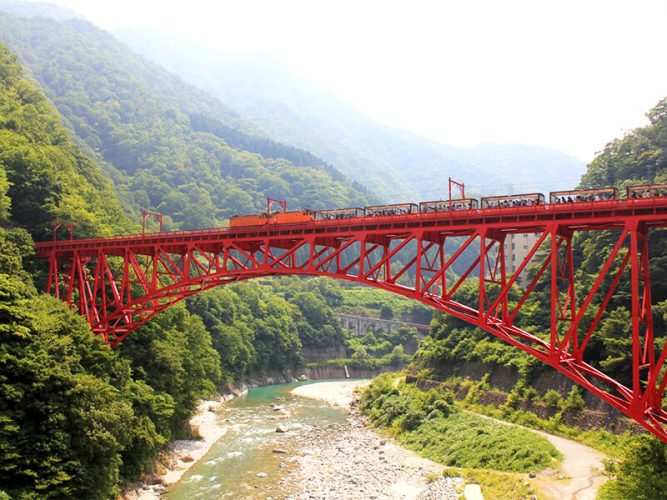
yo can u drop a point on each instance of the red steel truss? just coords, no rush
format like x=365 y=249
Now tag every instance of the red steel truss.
x=120 y=283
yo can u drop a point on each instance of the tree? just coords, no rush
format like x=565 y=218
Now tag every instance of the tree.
x=397 y=355
x=386 y=312
x=64 y=421
x=642 y=472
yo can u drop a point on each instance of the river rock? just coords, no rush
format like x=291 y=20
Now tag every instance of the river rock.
x=281 y=428
x=262 y=474
x=187 y=458
x=279 y=450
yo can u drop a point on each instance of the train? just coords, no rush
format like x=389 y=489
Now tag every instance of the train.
x=575 y=196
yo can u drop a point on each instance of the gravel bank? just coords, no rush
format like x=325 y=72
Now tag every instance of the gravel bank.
x=352 y=461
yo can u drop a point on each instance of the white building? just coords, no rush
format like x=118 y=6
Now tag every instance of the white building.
x=517 y=247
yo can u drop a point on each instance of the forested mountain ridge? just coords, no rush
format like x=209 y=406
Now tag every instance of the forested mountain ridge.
x=173 y=149
x=44 y=176
x=396 y=163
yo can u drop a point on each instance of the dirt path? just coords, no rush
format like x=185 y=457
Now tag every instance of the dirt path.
x=581 y=469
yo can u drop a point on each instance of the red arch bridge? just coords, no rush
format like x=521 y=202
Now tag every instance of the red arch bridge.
x=119 y=283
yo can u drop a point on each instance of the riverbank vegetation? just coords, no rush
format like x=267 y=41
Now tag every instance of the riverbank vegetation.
x=429 y=422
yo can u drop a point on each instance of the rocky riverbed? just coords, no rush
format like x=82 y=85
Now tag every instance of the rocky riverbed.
x=349 y=460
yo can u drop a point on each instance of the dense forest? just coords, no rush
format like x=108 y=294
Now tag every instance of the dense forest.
x=167 y=146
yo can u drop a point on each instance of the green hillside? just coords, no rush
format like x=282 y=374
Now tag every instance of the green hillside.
x=168 y=146
x=397 y=164
x=43 y=176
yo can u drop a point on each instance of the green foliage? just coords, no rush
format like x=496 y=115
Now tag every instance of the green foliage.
x=397 y=355
x=497 y=485
x=43 y=176
x=317 y=300
x=374 y=303
x=317 y=326
x=428 y=422
x=386 y=312
x=641 y=473
x=64 y=418
x=378 y=343
x=252 y=330
x=552 y=398
x=574 y=400
x=174 y=355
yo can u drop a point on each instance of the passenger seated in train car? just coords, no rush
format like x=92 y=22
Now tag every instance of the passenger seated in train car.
x=390 y=210
x=584 y=196
x=426 y=207
x=338 y=214
x=512 y=203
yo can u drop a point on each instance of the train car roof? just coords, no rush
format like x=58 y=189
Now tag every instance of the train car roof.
x=644 y=186
x=391 y=205
x=591 y=190
x=448 y=201
x=338 y=209
x=248 y=215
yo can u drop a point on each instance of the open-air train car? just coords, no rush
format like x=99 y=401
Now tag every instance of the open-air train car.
x=426 y=207
x=338 y=213
x=388 y=210
x=583 y=195
x=513 y=200
x=646 y=191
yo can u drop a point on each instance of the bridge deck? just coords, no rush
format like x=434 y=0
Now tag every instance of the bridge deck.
x=579 y=216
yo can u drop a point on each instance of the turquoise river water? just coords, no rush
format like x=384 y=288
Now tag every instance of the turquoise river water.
x=230 y=468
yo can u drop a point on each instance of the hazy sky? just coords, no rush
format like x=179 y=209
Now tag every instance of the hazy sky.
x=566 y=74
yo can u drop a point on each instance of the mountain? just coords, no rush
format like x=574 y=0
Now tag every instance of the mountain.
x=167 y=145
x=43 y=175
x=396 y=163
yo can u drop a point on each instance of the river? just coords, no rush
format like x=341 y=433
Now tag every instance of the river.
x=329 y=454
x=243 y=463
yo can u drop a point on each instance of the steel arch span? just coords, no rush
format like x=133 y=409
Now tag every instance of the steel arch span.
x=120 y=283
